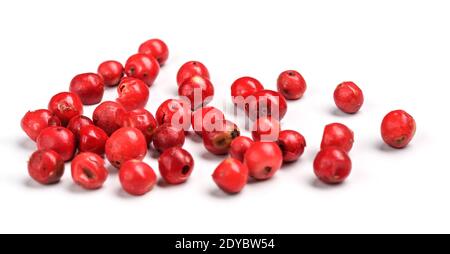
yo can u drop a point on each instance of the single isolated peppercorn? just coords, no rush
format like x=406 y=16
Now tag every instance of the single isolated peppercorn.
x=291 y=85
x=348 y=97
x=398 y=128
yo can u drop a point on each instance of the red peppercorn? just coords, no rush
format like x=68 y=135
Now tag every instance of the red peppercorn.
x=348 y=97
x=263 y=160
x=266 y=128
x=58 y=139
x=398 y=128
x=292 y=145
x=291 y=85
x=190 y=69
x=174 y=112
x=46 y=166
x=204 y=119
x=143 y=67
x=105 y=116
x=92 y=139
x=125 y=144
x=231 y=175
x=76 y=123
x=111 y=72
x=219 y=140
x=136 y=177
x=332 y=165
x=33 y=122
x=140 y=119
x=266 y=103
x=133 y=93
x=244 y=87
x=167 y=136
x=89 y=171
x=175 y=165
x=89 y=86
x=65 y=105
x=156 y=48
x=197 y=90
x=239 y=147
x=338 y=135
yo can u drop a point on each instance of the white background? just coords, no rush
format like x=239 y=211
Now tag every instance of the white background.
x=397 y=51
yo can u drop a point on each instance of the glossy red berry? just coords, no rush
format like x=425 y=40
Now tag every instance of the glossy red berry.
x=65 y=105
x=332 y=165
x=197 y=90
x=174 y=112
x=133 y=93
x=46 y=166
x=337 y=135
x=348 y=97
x=266 y=103
x=136 y=177
x=398 y=128
x=175 y=165
x=292 y=145
x=140 y=119
x=89 y=171
x=105 y=116
x=231 y=175
x=58 y=139
x=263 y=160
x=89 y=86
x=204 y=119
x=33 y=122
x=190 y=69
x=244 y=87
x=143 y=67
x=219 y=140
x=167 y=136
x=92 y=139
x=266 y=128
x=125 y=144
x=111 y=72
x=239 y=147
x=76 y=123
x=291 y=85
x=156 y=48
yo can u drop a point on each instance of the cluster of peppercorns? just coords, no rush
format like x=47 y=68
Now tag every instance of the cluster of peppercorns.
x=123 y=130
